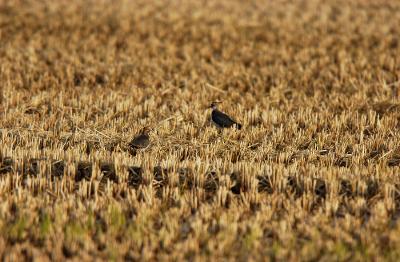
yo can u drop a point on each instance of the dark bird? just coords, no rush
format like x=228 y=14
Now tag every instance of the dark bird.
x=141 y=141
x=222 y=120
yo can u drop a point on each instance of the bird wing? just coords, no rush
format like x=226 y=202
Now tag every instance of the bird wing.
x=140 y=141
x=222 y=119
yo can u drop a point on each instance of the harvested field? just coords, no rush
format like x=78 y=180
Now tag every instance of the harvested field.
x=313 y=174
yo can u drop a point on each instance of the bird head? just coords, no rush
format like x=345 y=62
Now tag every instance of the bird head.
x=146 y=130
x=214 y=104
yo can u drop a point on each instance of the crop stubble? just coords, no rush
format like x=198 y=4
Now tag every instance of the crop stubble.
x=312 y=175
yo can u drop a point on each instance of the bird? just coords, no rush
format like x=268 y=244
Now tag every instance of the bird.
x=222 y=120
x=141 y=140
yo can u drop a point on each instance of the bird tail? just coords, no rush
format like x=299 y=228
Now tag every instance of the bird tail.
x=238 y=126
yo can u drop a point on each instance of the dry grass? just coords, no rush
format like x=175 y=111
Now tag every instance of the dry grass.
x=313 y=175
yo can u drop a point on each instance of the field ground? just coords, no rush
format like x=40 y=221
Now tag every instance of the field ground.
x=313 y=174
